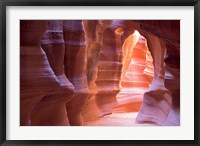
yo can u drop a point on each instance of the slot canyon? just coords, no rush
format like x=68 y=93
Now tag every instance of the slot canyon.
x=99 y=72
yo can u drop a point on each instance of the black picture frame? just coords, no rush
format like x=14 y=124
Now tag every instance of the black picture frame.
x=5 y=3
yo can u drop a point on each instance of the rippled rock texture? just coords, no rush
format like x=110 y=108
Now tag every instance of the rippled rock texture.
x=161 y=104
x=72 y=71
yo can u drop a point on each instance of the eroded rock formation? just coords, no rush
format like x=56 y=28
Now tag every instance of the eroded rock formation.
x=75 y=67
x=41 y=93
x=161 y=103
x=72 y=71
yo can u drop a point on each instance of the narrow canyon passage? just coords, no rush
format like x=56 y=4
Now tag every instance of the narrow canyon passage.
x=137 y=77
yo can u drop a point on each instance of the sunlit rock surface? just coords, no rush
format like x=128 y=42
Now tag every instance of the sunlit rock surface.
x=135 y=80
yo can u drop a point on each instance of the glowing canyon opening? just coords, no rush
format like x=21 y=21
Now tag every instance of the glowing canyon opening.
x=99 y=72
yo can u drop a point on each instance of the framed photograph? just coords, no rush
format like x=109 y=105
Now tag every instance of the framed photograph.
x=83 y=72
